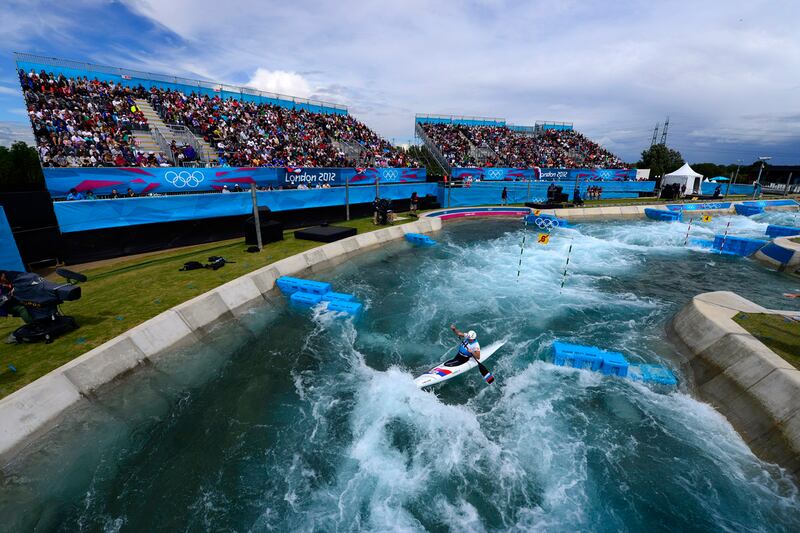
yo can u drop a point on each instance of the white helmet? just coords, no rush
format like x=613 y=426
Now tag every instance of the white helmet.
x=471 y=335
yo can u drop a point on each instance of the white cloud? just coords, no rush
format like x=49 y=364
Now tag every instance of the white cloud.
x=12 y=131
x=281 y=82
x=614 y=69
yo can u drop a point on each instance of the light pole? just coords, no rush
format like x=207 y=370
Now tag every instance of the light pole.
x=728 y=188
x=763 y=160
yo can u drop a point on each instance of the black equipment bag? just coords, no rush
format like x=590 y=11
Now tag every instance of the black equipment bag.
x=45 y=330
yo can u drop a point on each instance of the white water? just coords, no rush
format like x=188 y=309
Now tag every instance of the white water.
x=316 y=425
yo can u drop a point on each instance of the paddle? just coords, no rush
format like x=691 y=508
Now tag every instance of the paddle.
x=487 y=376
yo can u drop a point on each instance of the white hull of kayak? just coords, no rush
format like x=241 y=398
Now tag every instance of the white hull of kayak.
x=441 y=373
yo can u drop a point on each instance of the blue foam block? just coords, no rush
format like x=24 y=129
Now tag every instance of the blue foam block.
x=576 y=356
x=662 y=215
x=337 y=296
x=748 y=210
x=419 y=239
x=701 y=243
x=546 y=221
x=781 y=231
x=737 y=245
x=614 y=364
x=288 y=284
x=651 y=374
x=353 y=308
x=305 y=299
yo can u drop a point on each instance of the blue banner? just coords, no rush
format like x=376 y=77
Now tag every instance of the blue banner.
x=9 y=254
x=85 y=215
x=549 y=174
x=146 y=181
x=489 y=193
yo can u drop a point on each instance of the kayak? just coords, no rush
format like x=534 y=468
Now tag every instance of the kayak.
x=441 y=373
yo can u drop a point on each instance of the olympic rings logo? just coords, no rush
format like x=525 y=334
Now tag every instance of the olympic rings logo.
x=184 y=178
x=494 y=173
x=390 y=173
x=546 y=223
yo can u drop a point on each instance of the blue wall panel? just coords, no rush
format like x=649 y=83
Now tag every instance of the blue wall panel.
x=488 y=193
x=9 y=254
x=184 y=179
x=96 y=214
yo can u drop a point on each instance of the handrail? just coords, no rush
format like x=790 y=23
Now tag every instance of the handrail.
x=91 y=67
x=433 y=149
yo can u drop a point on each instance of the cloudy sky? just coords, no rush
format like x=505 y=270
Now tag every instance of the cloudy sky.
x=727 y=73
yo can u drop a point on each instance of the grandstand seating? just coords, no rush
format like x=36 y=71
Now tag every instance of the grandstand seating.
x=499 y=146
x=81 y=122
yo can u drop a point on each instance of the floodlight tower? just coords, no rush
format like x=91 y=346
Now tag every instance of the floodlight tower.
x=655 y=135
x=763 y=160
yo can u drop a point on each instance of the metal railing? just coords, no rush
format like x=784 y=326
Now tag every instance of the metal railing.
x=432 y=148
x=162 y=143
x=456 y=119
x=129 y=74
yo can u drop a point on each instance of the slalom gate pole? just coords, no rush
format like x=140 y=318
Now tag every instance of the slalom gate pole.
x=522 y=248
x=256 y=218
x=724 y=236
x=686 y=240
x=564 y=279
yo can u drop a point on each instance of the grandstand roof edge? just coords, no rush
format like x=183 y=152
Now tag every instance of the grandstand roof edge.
x=107 y=69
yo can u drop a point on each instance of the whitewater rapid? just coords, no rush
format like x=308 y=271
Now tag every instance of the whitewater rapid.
x=307 y=422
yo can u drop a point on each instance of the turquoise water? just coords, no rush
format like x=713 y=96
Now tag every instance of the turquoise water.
x=292 y=421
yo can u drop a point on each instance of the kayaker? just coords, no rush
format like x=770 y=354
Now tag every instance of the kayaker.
x=469 y=346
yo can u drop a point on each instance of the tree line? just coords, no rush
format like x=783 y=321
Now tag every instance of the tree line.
x=20 y=169
x=661 y=159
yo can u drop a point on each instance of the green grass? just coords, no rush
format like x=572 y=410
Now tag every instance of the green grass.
x=779 y=334
x=124 y=293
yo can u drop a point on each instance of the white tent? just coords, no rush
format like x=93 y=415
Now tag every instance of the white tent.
x=684 y=176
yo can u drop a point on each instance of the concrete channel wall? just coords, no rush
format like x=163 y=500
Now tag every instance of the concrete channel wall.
x=30 y=411
x=756 y=390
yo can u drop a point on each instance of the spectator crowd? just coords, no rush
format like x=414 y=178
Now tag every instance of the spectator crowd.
x=499 y=146
x=259 y=134
x=83 y=122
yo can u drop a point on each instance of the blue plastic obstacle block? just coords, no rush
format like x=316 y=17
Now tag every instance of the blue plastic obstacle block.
x=289 y=285
x=662 y=215
x=576 y=356
x=614 y=364
x=305 y=299
x=352 y=308
x=701 y=243
x=337 y=297
x=737 y=245
x=656 y=374
x=419 y=239
x=544 y=221
x=781 y=231
x=748 y=210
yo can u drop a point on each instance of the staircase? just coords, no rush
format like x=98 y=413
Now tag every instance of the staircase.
x=481 y=154
x=146 y=143
x=432 y=149
x=163 y=134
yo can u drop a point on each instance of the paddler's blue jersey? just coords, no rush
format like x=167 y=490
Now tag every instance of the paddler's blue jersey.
x=468 y=346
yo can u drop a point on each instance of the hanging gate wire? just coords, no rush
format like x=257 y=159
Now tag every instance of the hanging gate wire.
x=564 y=278
x=522 y=248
